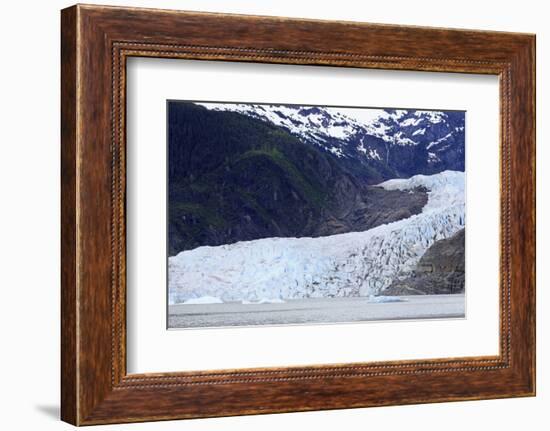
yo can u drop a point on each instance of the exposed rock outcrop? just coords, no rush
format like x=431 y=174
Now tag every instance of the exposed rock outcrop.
x=439 y=271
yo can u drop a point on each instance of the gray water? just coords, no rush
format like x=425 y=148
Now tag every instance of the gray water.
x=315 y=310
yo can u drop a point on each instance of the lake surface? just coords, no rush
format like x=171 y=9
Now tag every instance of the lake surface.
x=315 y=310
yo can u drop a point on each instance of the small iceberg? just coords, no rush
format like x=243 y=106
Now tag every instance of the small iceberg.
x=263 y=301
x=384 y=299
x=204 y=300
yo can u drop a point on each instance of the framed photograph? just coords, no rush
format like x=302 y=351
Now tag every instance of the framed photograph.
x=293 y=214
x=264 y=215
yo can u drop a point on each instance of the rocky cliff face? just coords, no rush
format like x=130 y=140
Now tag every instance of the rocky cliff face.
x=439 y=271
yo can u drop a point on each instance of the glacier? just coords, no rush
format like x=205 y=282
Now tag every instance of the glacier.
x=344 y=265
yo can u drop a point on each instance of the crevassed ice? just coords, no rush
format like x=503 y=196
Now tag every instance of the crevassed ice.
x=350 y=264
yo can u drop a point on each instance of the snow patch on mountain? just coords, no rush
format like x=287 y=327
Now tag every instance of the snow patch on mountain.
x=434 y=116
x=400 y=139
x=336 y=151
x=373 y=154
x=410 y=122
x=350 y=264
x=439 y=141
x=432 y=157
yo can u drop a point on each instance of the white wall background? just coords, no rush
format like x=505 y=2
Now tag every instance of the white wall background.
x=29 y=215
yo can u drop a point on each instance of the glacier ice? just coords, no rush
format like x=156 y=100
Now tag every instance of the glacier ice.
x=349 y=264
x=204 y=300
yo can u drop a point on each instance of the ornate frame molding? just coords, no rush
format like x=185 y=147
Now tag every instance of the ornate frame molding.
x=96 y=41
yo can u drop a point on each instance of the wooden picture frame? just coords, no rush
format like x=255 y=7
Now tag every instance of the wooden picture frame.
x=95 y=43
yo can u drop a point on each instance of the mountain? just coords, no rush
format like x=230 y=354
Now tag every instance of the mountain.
x=383 y=143
x=238 y=177
x=350 y=264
